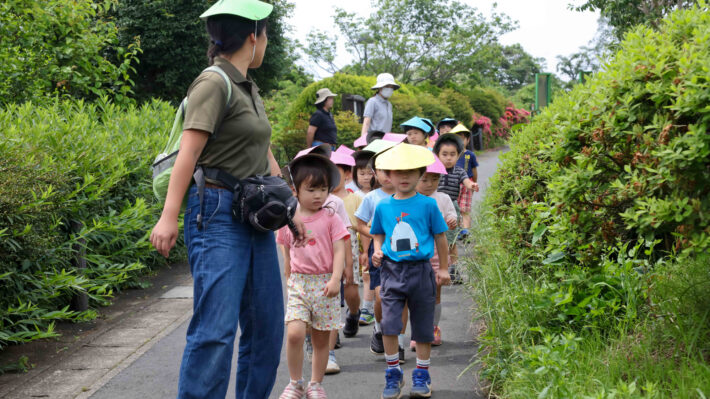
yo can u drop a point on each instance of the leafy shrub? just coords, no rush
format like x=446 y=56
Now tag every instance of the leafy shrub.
x=64 y=163
x=349 y=127
x=404 y=107
x=487 y=102
x=592 y=215
x=459 y=105
x=62 y=47
x=432 y=107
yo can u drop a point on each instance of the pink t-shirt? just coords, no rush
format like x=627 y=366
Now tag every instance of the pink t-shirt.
x=316 y=257
x=446 y=206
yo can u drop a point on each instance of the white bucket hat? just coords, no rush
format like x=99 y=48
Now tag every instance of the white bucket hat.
x=383 y=80
x=323 y=94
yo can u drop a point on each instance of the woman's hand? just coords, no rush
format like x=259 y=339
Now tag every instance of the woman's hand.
x=332 y=288
x=164 y=235
x=301 y=240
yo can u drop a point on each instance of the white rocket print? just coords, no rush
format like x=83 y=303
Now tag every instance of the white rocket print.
x=403 y=237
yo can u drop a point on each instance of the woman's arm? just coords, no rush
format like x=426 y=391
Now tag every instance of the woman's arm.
x=365 y=125
x=165 y=232
x=273 y=165
x=310 y=134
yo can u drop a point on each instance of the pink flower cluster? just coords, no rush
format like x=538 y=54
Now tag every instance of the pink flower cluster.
x=511 y=117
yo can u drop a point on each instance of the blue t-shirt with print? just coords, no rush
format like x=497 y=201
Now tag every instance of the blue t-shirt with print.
x=366 y=210
x=467 y=162
x=409 y=226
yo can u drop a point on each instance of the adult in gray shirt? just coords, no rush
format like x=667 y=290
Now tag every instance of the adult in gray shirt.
x=377 y=116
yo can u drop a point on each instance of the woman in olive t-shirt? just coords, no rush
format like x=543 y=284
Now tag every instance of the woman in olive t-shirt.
x=235 y=268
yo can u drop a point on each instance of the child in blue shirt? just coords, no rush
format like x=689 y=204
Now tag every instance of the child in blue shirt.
x=405 y=229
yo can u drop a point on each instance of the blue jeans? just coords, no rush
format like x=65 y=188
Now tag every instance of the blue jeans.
x=236 y=282
x=317 y=143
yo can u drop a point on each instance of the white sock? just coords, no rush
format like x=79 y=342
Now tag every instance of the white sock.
x=437 y=314
x=400 y=339
x=298 y=382
x=369 y=306
x=377 y=326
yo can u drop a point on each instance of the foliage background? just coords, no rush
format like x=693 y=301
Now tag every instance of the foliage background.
x=594 y=237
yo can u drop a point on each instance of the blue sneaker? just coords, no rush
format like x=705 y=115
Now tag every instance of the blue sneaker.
x=394 y=381
x=421 y=384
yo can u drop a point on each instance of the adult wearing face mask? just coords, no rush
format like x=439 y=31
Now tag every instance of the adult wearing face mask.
x=377 y=116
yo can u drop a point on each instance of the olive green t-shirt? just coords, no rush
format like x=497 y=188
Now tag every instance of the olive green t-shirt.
x=241 y=144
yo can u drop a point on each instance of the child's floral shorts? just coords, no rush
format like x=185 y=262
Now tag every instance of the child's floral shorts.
x=306 y=302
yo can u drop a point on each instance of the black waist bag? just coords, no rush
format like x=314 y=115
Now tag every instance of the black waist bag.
x=265 y=202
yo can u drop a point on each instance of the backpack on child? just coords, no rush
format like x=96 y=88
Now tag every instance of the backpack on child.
x=164 y=162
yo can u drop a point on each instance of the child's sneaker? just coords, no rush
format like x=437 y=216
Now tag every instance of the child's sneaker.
x=309 y=348
x=351 y=325
x=421 y=384
x=376 y=345
x=455 y=276
x=293 y=391
x=332 y=367
x=413 y=345
x=366 y=318
x=394 y=381
x=437 y=336
x=315 y=391
x=463 y=234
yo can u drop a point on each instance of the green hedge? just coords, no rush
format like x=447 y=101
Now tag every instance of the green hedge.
x=73 y=162
x=407 y=102
x=592 y=219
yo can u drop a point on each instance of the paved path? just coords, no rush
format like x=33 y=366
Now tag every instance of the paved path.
x=134 y=351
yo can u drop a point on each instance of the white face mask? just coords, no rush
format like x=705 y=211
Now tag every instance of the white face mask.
x=387 y=92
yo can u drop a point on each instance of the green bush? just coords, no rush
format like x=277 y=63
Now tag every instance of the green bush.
x=432 y=107
x=593 y=247
x=487 y=102
x=459 y=104
x=404 y=107
x=62 y=47
x=73 y=162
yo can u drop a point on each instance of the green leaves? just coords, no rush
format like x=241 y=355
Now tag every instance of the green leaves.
x=67 y=162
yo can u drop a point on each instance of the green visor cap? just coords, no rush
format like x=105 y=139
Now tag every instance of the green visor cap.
x=250 y=9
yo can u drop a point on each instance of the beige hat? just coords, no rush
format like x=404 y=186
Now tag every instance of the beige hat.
x=323 y=94
x=385 y=79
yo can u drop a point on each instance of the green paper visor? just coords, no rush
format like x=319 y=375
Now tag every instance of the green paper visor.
x=254 y=10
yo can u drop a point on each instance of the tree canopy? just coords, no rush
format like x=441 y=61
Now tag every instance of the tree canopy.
x=434 y=41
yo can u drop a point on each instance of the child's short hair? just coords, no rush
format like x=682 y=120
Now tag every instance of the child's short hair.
x=316 y=169
x=362 y=161
x=450 y=139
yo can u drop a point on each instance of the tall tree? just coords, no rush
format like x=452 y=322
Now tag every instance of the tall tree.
x=625 y=14
x=174 y=43
x=416 y=40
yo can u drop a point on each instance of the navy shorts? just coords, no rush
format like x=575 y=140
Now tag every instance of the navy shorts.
x=374 y=271
x=412 y=283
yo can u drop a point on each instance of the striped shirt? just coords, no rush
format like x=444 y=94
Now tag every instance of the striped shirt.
x=450 y=184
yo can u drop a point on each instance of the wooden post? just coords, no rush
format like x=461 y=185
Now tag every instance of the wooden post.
x=80 y=301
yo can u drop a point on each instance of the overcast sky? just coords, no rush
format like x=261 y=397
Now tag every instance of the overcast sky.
x=547 y=28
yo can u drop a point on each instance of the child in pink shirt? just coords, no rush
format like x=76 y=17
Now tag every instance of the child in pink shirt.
x=313 y=271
